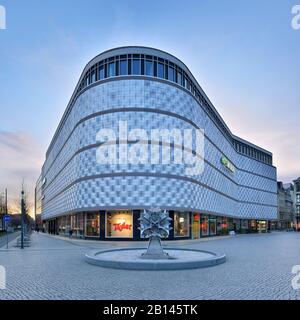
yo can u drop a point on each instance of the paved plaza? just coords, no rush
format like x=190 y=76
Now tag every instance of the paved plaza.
x=259 y=266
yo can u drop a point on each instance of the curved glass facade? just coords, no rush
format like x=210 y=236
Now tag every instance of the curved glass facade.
x=148 y=88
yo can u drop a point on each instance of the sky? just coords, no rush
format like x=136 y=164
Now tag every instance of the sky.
x=245 y=55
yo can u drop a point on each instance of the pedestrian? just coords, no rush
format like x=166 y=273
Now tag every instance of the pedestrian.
x=70 y=233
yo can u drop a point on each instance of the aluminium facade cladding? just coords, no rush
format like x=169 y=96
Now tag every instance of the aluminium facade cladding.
x=150 y=88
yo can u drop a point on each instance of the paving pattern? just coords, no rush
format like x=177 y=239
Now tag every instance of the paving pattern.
x=259 y=267
x=11 y=236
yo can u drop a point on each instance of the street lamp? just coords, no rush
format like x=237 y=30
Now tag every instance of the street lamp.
x=22 y=218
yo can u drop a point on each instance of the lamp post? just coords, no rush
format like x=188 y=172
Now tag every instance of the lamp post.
x=6 y=223
x=22 y=218
x=2 y=211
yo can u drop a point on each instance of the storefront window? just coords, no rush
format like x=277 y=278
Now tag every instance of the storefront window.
x=76 y=225
x=244 y=226
x=204 y=226
x=196 y=226
x=230 y=224
x=237 y=225
x=119 y=224
x=181 y=224
x=62 y=225
x=261 y=226
x=73 y=222
x=222 y=227
x=78 y=231
x=68 y=224
x=92 y=225
x=253 y=226
x=212 y=226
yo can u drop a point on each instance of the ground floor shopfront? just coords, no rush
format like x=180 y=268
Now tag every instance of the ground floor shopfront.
x=124 y=225
x=297 y=223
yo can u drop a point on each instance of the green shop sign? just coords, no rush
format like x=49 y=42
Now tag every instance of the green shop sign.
x=227 y=164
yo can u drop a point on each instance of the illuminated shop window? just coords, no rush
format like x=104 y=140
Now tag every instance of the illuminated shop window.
x=92 y=225
x=262 y=225
x=204 y=226
x=222 y=226
x=181 y=224
x=212 y=226
x=77 y=223
x=62 y=223
x=245 y=225
x=237 y=225
x=252 y=226
x=196 y=226
x=119 y=224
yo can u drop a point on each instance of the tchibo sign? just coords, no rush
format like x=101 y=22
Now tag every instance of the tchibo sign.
x=2 y=18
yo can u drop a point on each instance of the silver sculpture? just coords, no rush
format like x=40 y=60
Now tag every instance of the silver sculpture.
x=155 y=225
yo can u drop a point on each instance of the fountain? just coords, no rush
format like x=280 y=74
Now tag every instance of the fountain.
x=154 y=225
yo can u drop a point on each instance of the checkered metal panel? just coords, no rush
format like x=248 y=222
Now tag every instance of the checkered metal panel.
x=74 y=177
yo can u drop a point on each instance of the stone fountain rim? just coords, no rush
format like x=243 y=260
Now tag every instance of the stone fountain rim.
x=92 y=257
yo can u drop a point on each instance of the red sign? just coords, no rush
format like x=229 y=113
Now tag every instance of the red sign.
x=196 y=217
x=122 y=226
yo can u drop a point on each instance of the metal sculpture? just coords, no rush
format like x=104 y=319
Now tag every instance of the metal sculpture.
x=155 y=225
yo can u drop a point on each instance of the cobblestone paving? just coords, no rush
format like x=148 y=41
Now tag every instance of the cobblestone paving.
x=258 y=267
x=11 y=236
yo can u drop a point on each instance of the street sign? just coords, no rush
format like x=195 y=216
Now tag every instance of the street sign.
x=7 y=218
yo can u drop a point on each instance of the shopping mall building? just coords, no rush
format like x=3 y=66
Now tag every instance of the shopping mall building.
x=149 y=89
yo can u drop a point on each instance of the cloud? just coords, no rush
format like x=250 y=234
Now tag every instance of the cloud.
x=21 y=158
x=282 y=141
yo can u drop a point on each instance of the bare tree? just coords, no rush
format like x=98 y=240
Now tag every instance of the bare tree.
x=28 y=205
x=2 y=204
